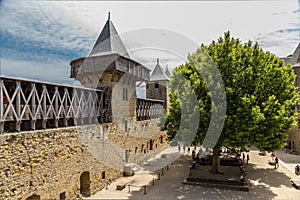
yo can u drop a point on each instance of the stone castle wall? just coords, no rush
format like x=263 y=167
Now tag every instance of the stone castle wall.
x=293 y=142
x=49 y=164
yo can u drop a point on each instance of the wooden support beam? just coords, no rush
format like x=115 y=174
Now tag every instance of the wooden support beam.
x=33 y=106
x=18 y=106
x=56 y=110
x=66 y=106
x=1 y=105
x=44 y=106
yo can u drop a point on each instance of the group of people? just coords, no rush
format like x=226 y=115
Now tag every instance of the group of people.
x=248 y=158
x=184 y=148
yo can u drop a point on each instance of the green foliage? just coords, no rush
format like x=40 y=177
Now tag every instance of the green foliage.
x=260 y=96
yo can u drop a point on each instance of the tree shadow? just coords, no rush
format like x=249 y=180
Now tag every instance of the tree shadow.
x=170 y=186
x=269 y=176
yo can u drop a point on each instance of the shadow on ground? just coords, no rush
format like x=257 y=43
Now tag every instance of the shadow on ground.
x=271 y=177
x=170 y=185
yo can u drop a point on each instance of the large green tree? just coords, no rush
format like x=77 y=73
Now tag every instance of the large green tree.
x=259 y=98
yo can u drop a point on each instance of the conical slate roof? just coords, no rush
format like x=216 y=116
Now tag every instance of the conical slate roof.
x=158 y=74
x=109 y=41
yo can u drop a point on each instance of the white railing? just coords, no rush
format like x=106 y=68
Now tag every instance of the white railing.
x=24 y=104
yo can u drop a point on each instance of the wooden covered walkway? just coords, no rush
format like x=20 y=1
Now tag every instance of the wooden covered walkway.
x=32 y=105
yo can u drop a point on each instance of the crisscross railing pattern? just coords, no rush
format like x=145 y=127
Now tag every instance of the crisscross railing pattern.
x=148 y=109
x=28 y=105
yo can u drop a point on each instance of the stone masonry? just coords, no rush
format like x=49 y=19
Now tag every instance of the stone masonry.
x=48 y=164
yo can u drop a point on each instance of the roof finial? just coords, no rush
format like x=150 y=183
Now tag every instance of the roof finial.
x=158 y=61
x=108 y=15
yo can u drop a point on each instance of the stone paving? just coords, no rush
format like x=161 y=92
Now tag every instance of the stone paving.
x=265 y=181
x=288 y=160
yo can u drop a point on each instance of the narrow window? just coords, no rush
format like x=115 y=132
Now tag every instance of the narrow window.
x=103 y=175
x=126 y=126
x=124 y=94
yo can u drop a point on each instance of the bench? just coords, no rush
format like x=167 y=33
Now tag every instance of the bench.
x=121 y=186
x=296 y=183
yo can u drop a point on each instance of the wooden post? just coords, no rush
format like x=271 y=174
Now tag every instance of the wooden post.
x=33 y=106
x=90 y=106
x=44 y=106
x=82 y=106
x=1 y=107
x=75 y=114
x=56 y=114
x=66 y=107
x=18 y=106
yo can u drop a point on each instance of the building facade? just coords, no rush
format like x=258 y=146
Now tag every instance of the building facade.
x=293 y=142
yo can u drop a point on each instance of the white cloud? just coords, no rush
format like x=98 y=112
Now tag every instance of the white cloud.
x=52 y=73
x=53 y=31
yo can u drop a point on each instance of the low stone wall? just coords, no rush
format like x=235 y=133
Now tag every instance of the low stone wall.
x=56 y=163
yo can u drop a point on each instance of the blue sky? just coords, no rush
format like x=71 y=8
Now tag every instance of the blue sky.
x=40 y=38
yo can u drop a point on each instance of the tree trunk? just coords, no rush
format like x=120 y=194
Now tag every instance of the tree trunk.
x=215 y=161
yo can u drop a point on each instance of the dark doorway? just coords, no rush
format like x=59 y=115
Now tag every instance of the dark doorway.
x=290 y=145
x=62 y=196
x=34 y=197
x=151 y=144
x=85 y=184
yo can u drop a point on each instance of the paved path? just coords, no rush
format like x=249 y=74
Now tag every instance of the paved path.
x=266 y=183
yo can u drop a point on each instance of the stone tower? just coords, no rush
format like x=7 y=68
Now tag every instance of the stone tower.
x=110 y=67
x=157 y=87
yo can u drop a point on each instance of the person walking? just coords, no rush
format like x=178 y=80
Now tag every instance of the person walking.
x=179 y=148
x=193 y=154
x=248 y=158
x=276 y=163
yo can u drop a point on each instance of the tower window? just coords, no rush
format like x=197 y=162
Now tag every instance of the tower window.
x=126 y=126
x=156 y=85
x=125 y=94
